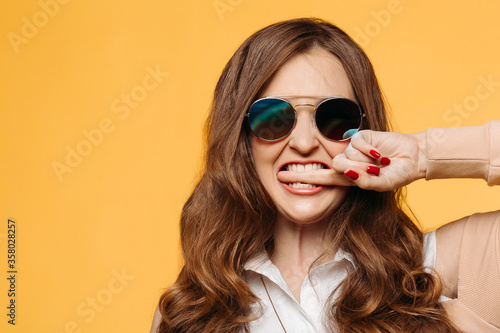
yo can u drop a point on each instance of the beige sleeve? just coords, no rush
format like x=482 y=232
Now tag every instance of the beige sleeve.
x=479 y=267
x=156 y=321
x=468 y=261
x=464 y=152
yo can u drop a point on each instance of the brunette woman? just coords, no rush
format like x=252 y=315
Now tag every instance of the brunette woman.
x=296 y=224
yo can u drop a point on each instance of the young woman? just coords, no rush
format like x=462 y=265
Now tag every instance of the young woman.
x=296 y=224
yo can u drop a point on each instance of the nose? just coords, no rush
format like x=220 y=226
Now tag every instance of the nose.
x=304 y=135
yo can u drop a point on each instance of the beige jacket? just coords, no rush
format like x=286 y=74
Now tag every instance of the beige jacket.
x=468 y=250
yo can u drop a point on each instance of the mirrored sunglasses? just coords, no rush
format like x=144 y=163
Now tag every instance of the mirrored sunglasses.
x=274 y=118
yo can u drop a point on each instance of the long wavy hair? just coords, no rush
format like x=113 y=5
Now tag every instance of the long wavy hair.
x=229 y=216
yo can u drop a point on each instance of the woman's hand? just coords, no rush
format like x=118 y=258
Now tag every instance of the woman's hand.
x=380 y=161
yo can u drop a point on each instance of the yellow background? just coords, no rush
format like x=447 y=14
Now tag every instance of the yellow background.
x=116 y=212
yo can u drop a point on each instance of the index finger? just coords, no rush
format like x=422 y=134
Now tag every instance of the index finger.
x=316 y=177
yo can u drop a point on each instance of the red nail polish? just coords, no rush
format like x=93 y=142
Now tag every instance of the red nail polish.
x=385 y=161
x=373 y=170
x=353 y=175
x=374 y=153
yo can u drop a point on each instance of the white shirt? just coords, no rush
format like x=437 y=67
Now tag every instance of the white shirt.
x=306 y=316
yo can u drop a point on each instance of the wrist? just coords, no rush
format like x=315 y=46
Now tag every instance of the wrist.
x=421 y=158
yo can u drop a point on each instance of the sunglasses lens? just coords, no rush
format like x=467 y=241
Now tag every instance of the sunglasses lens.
x=271 y=119
x=338 y=119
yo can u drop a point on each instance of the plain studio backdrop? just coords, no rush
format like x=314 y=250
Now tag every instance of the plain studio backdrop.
x=102 y=109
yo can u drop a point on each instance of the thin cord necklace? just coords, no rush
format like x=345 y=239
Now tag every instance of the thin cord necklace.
x=272 y=303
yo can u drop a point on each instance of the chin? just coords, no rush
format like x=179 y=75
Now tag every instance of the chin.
x=302 y=217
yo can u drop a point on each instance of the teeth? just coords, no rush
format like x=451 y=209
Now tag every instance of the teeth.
x=303 y=168
x=301 y=185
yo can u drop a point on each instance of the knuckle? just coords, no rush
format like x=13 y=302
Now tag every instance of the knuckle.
x=339 y=157
x=356 y=154
x=347 y=152
x=337 y=161
x=362 y=134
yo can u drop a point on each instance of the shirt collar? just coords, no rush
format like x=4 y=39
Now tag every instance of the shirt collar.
x=261 y=263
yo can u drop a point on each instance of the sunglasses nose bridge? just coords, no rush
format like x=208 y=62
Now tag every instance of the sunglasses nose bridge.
x=307 y=126
x=311 y=105
x=313 y=114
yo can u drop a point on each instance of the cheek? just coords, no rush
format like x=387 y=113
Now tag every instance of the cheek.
x=334 y=148
x=264 y=156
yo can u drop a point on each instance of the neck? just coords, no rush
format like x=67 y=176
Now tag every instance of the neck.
x=296 y=247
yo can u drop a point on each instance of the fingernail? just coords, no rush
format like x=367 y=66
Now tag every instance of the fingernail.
x=373 y=170
x=374 y=153
x=385 y=161
x=353 y=175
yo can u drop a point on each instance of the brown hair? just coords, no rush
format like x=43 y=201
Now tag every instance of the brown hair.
x=229 y=216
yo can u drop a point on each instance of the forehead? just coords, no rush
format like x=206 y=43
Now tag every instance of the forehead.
x=314 y=73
